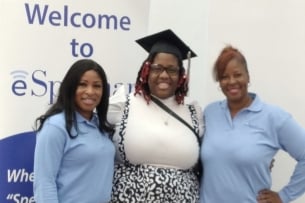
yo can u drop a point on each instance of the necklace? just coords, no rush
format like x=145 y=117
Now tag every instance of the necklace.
x=164 y=115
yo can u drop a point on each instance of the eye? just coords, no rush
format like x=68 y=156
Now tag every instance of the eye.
x=238 y=75
x=98 y=85
x=156 y=68
x=224 y=77
x=172 y=70
x=82 y=84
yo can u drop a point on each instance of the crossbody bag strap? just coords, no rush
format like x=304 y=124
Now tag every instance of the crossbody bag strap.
x=198 y=166
x=168 y=110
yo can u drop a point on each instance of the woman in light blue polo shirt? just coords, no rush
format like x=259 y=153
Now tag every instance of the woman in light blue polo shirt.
x=74 y=157
x=242 y=136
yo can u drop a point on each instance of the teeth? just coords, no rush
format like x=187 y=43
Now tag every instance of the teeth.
x=163 y=85
x=233 y=90
x=88 y=101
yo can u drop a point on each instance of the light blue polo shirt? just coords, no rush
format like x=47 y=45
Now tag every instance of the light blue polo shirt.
x=72 y=170
x=237 y=153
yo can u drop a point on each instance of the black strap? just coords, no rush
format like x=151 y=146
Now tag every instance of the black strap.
x=168 y=110
x=198 y=166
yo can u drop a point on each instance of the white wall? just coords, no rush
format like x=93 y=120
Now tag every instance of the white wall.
x=271 y=34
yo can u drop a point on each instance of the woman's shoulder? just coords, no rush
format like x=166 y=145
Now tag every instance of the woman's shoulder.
x=191 y=101
x=57 y=117
x=194 y=103
x=269 y=108
x=57 y=120
x=214 y=105
x=116 y=105
x=55 y=125
x=274 y=111
x=119 y=97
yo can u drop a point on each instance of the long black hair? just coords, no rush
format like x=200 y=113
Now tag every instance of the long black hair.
x=66 y=97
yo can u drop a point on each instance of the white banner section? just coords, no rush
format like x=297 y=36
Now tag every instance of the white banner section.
x=39 y=41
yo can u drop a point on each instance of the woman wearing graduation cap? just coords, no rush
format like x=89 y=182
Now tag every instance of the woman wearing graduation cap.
x=157 y=136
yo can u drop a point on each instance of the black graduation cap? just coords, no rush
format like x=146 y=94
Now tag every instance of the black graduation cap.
x=167 y=42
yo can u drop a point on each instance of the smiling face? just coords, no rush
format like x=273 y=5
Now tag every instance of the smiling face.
x=234 y=82
x=163 y=84
x=88 y=93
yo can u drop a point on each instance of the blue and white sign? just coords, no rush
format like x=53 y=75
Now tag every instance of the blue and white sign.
x=39 y=41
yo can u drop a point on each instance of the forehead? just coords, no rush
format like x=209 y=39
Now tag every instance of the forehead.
x=165 y=58
x=91 y=75
x=235 y=65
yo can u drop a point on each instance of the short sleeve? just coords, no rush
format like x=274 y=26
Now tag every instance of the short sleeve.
x=116 y=105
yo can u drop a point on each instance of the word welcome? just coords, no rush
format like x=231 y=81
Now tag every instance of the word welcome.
x=44 y=15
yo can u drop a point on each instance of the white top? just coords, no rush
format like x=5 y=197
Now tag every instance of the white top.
x=153 y=136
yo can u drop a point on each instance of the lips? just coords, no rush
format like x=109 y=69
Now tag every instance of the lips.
x=163 y=85
x=233 y=90
x=88 y=101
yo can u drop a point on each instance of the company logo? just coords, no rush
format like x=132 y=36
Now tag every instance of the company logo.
x=34 y=84
x=19 y=74
x=37 y=84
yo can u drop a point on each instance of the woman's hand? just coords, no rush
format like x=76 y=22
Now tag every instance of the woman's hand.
x=268 y=196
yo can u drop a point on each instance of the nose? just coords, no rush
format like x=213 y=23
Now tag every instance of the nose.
x=232 y=79
x=89 y=90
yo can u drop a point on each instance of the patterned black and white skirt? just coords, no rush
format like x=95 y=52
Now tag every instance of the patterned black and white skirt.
x=152 y=184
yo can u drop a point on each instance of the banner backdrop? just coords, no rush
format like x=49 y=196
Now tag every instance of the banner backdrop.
x=39 y=41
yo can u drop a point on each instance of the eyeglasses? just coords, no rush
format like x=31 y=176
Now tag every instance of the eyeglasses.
x=158 y=69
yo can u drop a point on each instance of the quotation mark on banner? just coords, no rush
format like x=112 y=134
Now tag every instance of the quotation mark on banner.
x=9 y=196
x=18 y=198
